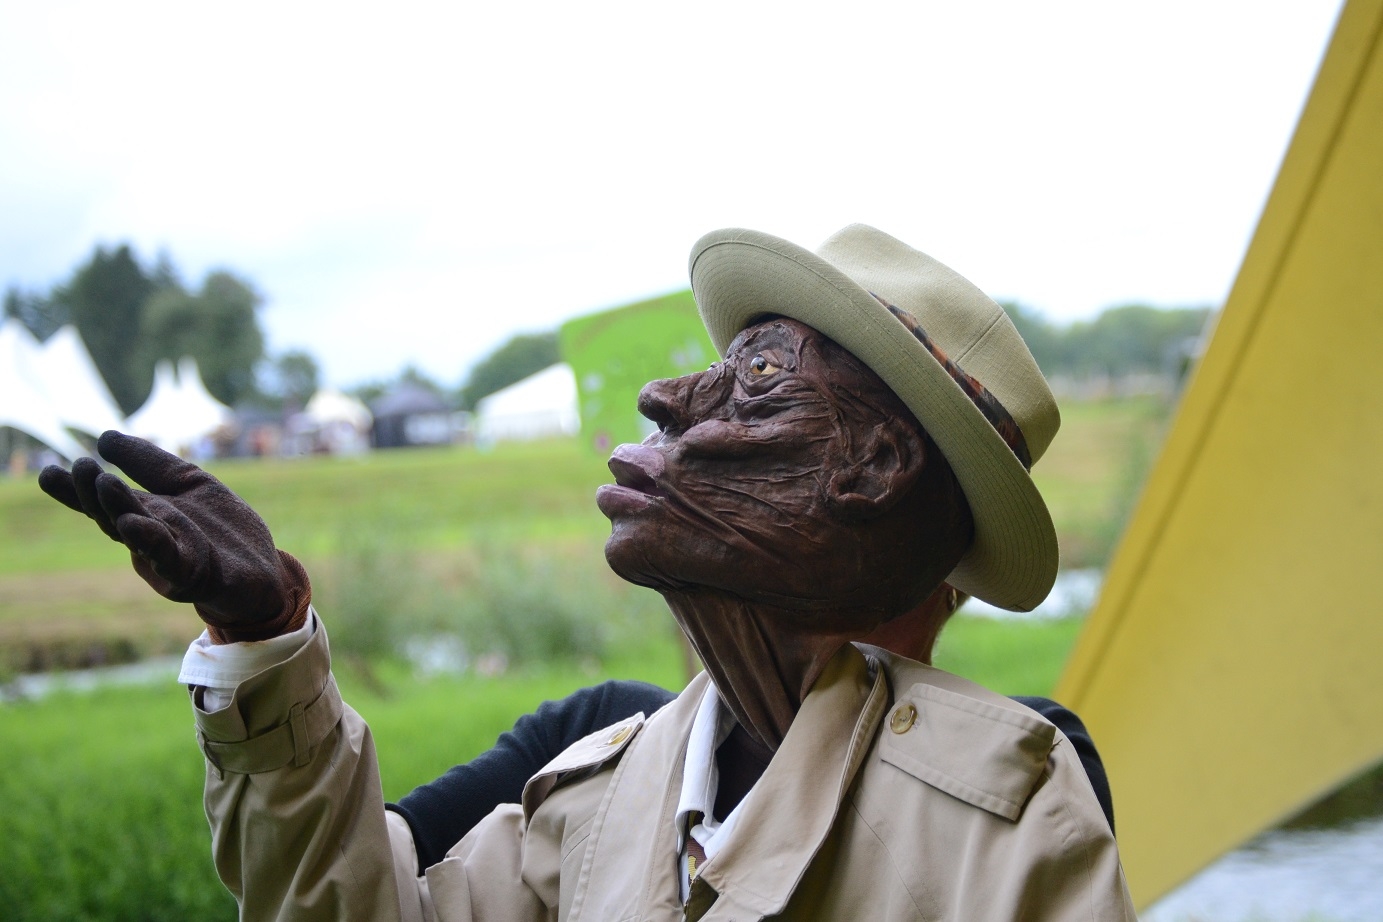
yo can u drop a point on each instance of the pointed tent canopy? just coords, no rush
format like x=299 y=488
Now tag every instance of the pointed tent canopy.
x=1230 y=670
x=331 y=406
x=74 y=385
x=179 y=411
x=24 y=404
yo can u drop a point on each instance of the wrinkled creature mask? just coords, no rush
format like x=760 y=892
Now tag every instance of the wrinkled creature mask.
x=787 y=474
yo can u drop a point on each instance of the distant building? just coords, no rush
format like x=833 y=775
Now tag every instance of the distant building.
x=616 y=352
x=410 y=415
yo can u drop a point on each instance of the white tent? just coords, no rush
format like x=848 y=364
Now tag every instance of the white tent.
x=24 y=403
x=331 y=406
x=541 y=405
x=333 y=422
x=179 y=413
x=76 y=388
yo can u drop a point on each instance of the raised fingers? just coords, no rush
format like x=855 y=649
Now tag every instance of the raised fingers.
x=85 y=472
x=117 y=498
x=57 y=483
x=176 y=552
x=148 y=465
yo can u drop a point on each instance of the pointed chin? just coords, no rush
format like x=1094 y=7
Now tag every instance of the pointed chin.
x=634 y=558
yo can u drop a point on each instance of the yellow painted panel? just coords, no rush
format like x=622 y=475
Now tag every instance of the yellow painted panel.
x=1233 y=668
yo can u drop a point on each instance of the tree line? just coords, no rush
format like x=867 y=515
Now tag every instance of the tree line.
x=1120 y=341
x=131 y=316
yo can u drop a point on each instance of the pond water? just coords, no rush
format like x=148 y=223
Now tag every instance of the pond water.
x=36 y=685
x=1325 y=865
x=1073 y=593
x=1288 y=875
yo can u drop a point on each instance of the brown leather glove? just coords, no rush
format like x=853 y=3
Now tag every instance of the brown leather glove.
x=190 y=538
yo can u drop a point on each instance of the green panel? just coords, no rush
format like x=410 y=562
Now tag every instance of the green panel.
x=615 y=353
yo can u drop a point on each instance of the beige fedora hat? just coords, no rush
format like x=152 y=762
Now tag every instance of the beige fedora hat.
x=739 y=276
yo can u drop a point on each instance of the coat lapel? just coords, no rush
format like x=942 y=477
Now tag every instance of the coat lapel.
x=790 y=812
x=630 y=866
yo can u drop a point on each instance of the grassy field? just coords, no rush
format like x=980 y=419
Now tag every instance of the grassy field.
x=69 y=598
x=102 y=810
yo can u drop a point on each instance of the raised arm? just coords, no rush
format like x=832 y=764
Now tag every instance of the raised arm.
x=190 y=538
x=293 y=793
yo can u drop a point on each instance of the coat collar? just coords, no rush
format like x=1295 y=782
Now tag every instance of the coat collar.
x=767 y=854
x=962 y=739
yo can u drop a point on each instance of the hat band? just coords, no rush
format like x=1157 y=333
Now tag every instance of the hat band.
x=979 y=395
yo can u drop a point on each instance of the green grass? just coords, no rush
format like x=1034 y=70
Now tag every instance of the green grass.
x=66 y=591
x=440 y=497
x=61 y=582
x=1091 y=475
x=443 y=497
x=102 y=813
x=1012 y=657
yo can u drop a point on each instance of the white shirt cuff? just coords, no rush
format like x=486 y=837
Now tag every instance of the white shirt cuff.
x=219 y=668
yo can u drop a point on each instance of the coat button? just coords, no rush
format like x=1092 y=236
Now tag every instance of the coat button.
x=619 y=736
x=903 y=718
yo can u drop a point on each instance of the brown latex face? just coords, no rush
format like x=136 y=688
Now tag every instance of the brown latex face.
x=789 y=475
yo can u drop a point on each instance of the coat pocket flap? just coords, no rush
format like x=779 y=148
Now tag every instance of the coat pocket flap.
x=982 y=753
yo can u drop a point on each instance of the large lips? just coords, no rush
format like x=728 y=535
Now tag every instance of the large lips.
x=637 y=470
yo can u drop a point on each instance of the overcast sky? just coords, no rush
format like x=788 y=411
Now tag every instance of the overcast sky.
x=415 y=182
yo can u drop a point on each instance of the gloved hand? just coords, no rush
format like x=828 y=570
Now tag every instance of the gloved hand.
x=190 y=538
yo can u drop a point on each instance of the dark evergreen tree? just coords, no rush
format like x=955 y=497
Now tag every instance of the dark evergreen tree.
x=515 y=360
x=105 y=299
x=39 y=313
x=218 y=326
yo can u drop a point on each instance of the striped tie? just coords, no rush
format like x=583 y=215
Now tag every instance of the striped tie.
x=696 y=855
x=701 y=897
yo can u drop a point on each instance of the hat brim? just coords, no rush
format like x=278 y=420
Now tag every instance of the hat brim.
x=739 y=276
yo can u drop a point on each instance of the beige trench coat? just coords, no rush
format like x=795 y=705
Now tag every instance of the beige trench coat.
x=900 y=793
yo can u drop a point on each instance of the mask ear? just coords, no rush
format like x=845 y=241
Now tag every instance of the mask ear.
x=877 y=473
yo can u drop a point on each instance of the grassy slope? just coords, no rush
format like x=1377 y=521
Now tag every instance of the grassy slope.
x=68 y=596
x=1093 y=470
x=63 y=586
x=442 y=499
x=441 y=496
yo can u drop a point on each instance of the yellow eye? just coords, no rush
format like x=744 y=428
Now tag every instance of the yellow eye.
x=760 y=366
